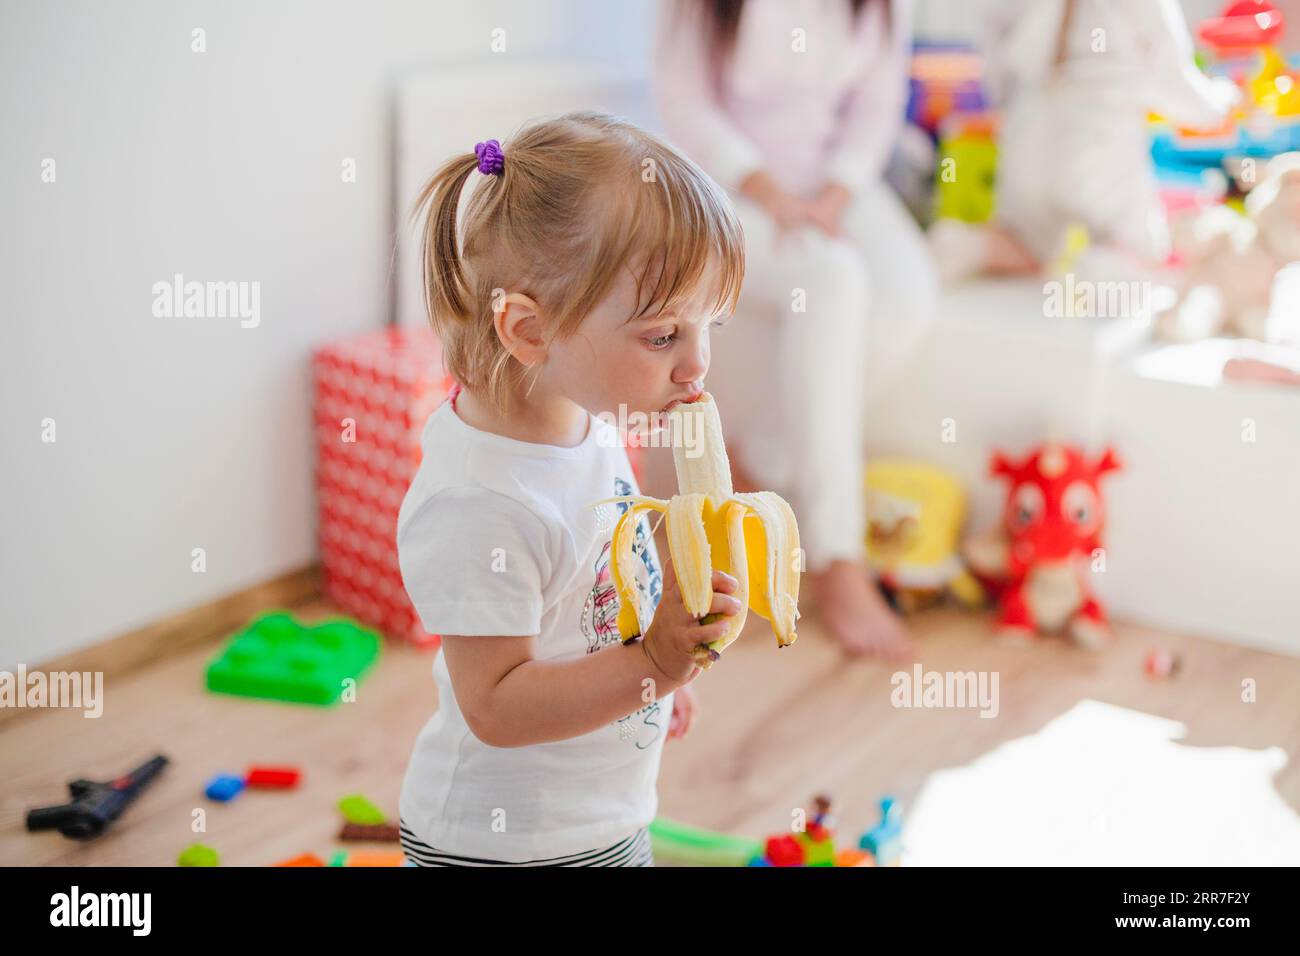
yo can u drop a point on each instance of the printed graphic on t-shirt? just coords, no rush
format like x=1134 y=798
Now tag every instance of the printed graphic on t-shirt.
x=600 y=617
x=643 y=727
x=600 y=611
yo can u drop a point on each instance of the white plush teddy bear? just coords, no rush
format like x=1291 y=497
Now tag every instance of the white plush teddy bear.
x=1243 y=272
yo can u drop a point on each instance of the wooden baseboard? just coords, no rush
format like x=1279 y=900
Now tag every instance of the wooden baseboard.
x=184 y=630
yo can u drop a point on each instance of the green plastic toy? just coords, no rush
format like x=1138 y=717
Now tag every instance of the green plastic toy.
x=196 y=854
x=817 y=852
x=275 y=657
x=965 y=178
x=691 y=846
x=357 y=809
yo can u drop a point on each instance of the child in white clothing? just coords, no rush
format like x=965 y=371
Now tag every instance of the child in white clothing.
x=577 y=286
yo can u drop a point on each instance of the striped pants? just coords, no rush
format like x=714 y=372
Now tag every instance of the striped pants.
x=632 y=851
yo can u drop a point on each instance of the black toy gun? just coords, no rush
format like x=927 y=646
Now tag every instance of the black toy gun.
x=94 y=804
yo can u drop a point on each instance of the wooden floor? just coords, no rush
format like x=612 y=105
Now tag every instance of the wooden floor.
x=776 y=727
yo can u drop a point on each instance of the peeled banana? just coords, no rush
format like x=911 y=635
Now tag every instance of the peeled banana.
x=752 y=537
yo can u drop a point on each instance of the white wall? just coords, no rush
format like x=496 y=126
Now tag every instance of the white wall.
x=175 y=433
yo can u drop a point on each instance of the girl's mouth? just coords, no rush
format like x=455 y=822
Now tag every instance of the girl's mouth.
x=681 y=401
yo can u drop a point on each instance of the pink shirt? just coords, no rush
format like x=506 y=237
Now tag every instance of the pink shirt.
x=829 y=113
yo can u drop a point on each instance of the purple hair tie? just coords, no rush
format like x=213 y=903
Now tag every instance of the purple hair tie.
x=490 y=158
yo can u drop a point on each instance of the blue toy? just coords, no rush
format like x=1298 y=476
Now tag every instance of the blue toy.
x=885 y=840
x=224 y=787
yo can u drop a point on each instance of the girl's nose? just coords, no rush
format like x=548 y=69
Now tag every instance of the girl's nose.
x=694 y=364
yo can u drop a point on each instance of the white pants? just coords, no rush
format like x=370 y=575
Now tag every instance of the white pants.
x=822 y=328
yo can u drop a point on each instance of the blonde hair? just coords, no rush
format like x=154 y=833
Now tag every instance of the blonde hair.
x=580 y=197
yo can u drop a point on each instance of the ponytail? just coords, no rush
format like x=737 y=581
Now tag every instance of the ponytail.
x=447 y=294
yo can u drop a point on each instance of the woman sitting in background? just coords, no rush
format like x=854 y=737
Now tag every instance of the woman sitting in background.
x=793 y=107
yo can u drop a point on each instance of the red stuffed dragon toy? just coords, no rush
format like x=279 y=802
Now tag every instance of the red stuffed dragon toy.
x=1037 y=562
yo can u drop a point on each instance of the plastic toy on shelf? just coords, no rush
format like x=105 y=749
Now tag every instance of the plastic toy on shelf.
x=966 y=173
x=1240 y=43
x=1242 y=27
x=946 y=79
x=915 y=514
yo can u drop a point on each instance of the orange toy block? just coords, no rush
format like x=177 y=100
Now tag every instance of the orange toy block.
x=377 y=858
x=854 y=857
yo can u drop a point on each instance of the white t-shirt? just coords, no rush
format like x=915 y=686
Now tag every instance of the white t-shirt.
x=497 y=537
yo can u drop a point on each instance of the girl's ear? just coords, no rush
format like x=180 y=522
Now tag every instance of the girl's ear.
x=519 y=324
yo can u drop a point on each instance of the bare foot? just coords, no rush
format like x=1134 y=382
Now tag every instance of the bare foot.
x=1257 y=370
x=856 y=614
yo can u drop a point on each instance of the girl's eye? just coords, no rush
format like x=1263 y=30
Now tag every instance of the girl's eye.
x=663 y=341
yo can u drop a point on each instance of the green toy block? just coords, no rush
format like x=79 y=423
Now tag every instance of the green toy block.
x=357 y=809
x=965 y=178
x=198 y=855
x=276 y=657
x=340 y=858
x=816 y=852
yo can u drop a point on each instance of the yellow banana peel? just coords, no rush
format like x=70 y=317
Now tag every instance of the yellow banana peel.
x=752 y=537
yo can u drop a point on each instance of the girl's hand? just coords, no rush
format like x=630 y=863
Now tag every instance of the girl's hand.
x=685 y=710
x=826 y=212
x=672 y=636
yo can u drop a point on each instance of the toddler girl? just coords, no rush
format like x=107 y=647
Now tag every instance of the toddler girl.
x=577 y=286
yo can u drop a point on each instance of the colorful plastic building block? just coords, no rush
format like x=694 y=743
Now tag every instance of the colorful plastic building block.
x=884 y=841
x=272 y=778
x=946 y=79
x=851 y=857
x=966 y=177
x=340 y=858
x=276 y=657
x=357 y=809
x=377 y=858
x=198 y=855
x=224 y=787
x=818 y=848
x=879 y=846
x=784 y=851
x=375 y=833
x=306 y=859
